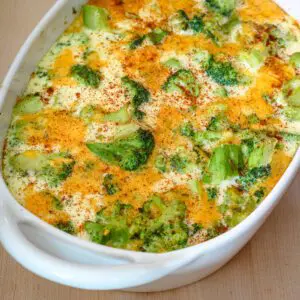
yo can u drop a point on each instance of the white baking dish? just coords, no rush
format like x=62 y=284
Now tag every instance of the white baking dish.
x=65 y=259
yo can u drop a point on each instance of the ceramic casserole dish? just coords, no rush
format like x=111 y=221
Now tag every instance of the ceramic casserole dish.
x=65 y=259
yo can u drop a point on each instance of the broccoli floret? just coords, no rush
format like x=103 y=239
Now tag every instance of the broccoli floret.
x=226 y=162
x=157 y=35
x=187 y=130
x=17 y=132
x=95 y=18
x=218 y=123
x=120 y=116
x=179 y=163
x=195 y=228
x=137 y=42
x=129 y=153
x=86 y=75
x=196 y=24
x=28 y=105
x=201 y=138
x=212 y=193
x=180 y=21
x=53 y=168
x=253 y=175
x=247 y=147
x=253 y=119
x=156 y=227
x=112 y=226
x=221 y=92
x=291 y=92
x=173 y=64
x=161 y=163
x=56 y=203
x=292 y=113
x=222 y=72
x=254 y=58
x=223 y=7
x=55 y=174
x=262 y=154
x=295 y=60
x=259 y=194
x=138 y=94
x=182 y=81
x=67 y=227
x=165 y=229
x=109 y=185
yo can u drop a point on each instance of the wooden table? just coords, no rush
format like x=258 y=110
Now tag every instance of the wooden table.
x=267 y=268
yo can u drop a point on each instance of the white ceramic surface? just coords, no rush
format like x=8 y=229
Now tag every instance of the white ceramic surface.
x=68 y=260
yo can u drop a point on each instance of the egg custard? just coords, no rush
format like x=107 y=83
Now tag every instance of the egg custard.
x=153 y=125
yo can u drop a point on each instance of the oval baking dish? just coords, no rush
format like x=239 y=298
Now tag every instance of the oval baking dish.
x=66 y=259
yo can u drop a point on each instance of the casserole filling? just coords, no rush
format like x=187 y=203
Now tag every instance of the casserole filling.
x=153 y=125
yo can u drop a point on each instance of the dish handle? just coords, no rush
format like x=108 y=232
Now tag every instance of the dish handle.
x=85 y=276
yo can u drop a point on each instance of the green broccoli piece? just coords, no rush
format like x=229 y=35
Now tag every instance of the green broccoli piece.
x=222 y=72
x=53 y=168
x=56 y=202
x=196 y=228
x=180 y=21
x=112 y=226
x=17 y=132
x=156 y=227
x=67 y=227
x=95 y=231
x=137 y=42
x=223 y=7
x=95 y=18
x=157 y=35
x=292 y=113
x=201 y=138
x=125 y=130
x=86 y=75
x=254 y=58
x=262 y=154
x=179 y=163
x=203 y=58
x=295 y=59
x=182 y=81
x=253 y=175
x=129 y=153
x=226 y=162
x=259 y=194
x=120 y=116
x=110 y=185
x=54 y=175
x=196 y=24
x=253 y=119
x=187 y=130
x=291 y=92
x=173 y=64
x=221 y=92
x=161 y=163
x=165 y=229
x=138 y=94
x=212 y=193
x=218 y=123
x=28 y=105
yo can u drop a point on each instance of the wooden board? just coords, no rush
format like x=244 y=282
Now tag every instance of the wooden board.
x=267 y=268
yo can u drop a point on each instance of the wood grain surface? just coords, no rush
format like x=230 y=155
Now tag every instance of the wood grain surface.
x=267 y=268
